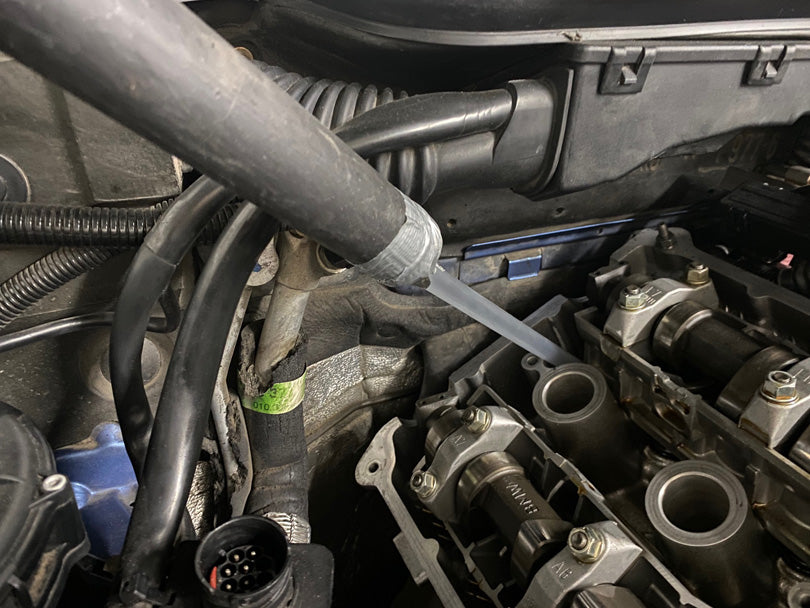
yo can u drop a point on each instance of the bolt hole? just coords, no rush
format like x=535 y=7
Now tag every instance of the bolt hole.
x=451 y=223
x=373 y=467
x=559 y=211
x=569 y=393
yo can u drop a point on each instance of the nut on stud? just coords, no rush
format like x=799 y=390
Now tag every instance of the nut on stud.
x=586 y=544
x=632 y=298
x=476 y=420
x=779 y=387
x=424 y=484
x=697 y=274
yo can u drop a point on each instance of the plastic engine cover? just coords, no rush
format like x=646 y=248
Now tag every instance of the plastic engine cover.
x=41 y=534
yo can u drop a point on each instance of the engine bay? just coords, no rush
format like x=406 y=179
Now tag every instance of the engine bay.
x=345 y=304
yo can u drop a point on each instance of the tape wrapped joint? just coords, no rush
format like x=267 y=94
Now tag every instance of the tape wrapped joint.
x=412 y=255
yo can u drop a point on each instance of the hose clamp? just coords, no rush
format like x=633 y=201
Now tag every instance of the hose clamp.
x=412 y=255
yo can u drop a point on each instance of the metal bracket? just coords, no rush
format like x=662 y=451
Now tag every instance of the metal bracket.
x=456 y=452
x=565 y=573
x=420 y=554
x=626 y=70
x=770 y=65
x=772 y=422
x=524 y=264
x=630 y=327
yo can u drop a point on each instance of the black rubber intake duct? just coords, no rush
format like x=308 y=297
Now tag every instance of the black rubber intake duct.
x=159 y=70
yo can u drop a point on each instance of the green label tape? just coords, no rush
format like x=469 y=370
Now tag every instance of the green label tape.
x=280 y=398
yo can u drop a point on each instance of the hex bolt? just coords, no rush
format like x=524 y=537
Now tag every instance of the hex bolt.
x=586 y=544
x=697 y=274
x=632 y=298
x=779 y=387
x=54 y=483
x=476 y=420
x=424 y=484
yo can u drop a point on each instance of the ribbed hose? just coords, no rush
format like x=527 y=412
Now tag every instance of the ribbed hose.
x=334 y=103
x=44 y=276
x=46 y=224
x=30 y=224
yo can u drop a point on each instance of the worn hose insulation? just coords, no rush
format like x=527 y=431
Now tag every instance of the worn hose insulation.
x=118 y=227
x=186 y=401
x=278 y=448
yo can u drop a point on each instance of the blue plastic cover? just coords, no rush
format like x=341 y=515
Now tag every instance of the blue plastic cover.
x=104 y=483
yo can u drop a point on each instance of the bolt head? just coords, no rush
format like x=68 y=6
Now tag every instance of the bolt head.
x=424 y=484
x=586 y=544
x=632 y=298
x=476 y=420
x=54 y=483
x=779 y=387
x=697 y=274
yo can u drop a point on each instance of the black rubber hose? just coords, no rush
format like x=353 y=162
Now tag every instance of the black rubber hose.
x=396 y=132
x=151 y=270
x=278 y=449
x=60 y=327
x=334 y=104
x=48 y=273
x=186 y=401
x=158 y=69
x=426 y=119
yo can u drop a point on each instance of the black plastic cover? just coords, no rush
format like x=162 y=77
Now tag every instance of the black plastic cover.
x=41 y=533
x=769 y=219
x=488 y=22
x=633 y=102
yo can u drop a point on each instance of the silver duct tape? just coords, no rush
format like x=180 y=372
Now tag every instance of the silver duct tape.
x=296 y=528
x=412 y=255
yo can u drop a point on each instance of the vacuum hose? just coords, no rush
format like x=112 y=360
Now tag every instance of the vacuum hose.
x=148 y=275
